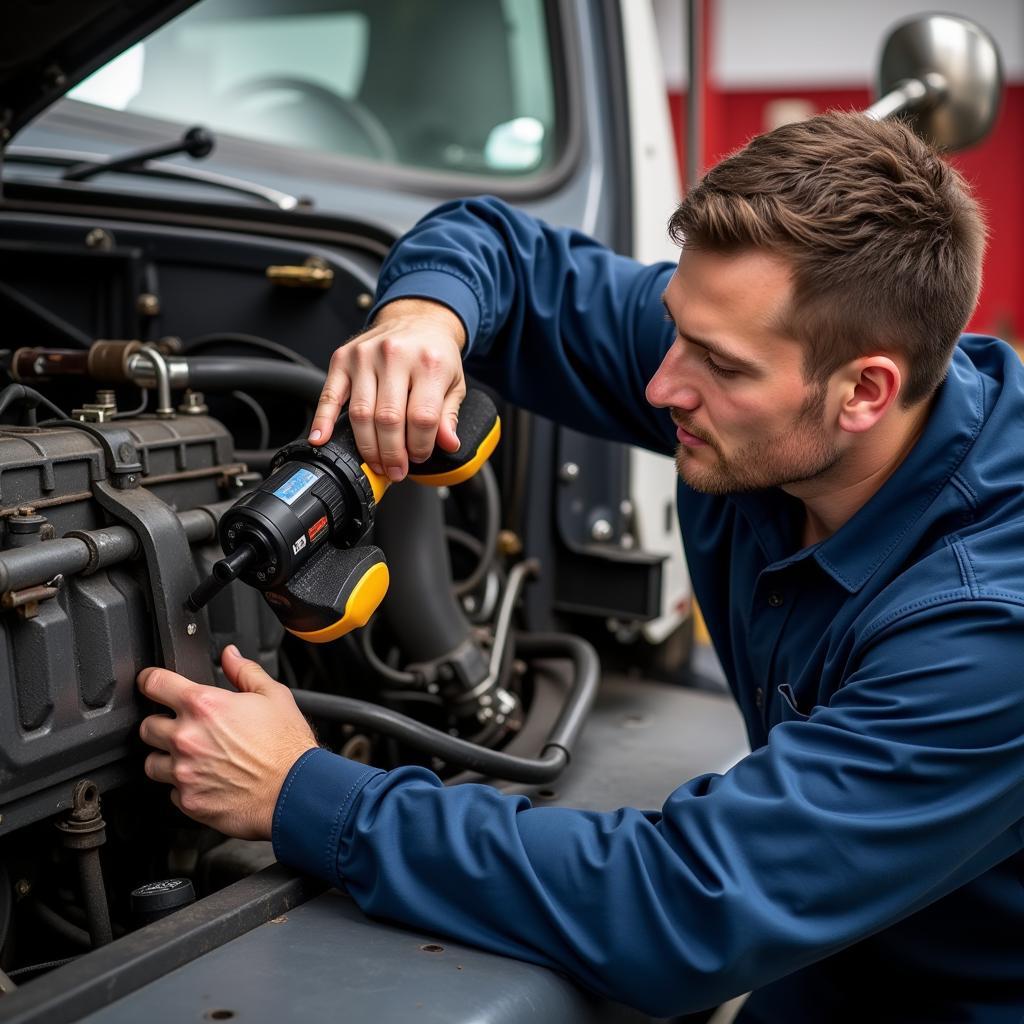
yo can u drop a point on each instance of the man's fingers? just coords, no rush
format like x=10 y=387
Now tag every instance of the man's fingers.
x=164 y=686
x=159 y=768
x=423 y=417
x=361 y=406
x=244 y=674
x=156 y=731
x=447 y=432
x=332 y=398
x=389 y=419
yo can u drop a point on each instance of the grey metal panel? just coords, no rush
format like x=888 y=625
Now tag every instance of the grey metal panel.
x=643 y=740
x=326 y=961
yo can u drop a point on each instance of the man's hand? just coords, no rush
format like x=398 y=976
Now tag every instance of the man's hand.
x=226 y=754
x=404 y=384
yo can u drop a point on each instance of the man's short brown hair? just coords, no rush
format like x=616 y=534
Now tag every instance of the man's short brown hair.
x=883 y=236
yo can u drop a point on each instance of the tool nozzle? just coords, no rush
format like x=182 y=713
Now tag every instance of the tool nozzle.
x=230 y=567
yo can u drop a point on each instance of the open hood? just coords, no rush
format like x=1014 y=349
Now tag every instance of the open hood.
x=48 y=46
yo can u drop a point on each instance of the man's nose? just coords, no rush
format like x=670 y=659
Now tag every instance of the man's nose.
x=668 y=387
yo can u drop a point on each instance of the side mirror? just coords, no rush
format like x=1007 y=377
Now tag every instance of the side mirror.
x=944 y=75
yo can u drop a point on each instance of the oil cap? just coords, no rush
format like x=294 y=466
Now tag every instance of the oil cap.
x=154 y=900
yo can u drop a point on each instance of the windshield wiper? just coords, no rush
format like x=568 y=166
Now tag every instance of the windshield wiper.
x=197 y=142
x=82 y=166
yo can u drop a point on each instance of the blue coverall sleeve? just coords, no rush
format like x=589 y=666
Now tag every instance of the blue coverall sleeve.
x=903 y=788
x=556 y=322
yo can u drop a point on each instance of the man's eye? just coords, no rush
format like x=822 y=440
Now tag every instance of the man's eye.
x=719 y=371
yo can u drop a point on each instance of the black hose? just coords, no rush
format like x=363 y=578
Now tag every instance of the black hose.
x=22 y=395
x=61 y=925
x=419 y=607
x=492 y=524
x=557 y=748
x=261 y=417
x=381 y=667
x=229 y=373
x=48 y=966
x=581 y=697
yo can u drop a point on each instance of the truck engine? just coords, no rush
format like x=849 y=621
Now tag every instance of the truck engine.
x=152 y=371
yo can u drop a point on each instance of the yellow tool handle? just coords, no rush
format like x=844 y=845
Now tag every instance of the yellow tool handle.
x=479 y=431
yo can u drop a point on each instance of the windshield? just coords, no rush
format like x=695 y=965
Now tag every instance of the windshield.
x=462 y=86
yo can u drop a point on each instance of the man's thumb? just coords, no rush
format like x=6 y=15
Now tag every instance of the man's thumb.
x=243 y=674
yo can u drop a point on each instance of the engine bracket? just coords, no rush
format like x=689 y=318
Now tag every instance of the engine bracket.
x=184 y=637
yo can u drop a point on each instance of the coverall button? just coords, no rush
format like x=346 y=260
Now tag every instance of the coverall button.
x=775 y=599
x=759 y=698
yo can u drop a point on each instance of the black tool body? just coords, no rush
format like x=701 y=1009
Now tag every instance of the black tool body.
x=298 y=536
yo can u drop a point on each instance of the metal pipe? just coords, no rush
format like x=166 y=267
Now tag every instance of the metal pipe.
x=89 y=550
x=517 y=576
x=554 y=755
x=164 y=408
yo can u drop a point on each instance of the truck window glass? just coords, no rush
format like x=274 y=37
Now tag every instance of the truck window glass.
x=463 y=86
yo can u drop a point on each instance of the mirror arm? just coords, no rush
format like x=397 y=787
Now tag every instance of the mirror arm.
x=910 y=95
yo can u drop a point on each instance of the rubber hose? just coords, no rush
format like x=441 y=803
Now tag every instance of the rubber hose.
x=556 y=751
x=19 y=394
x=492 y=526
x=231 y=373
x=419 y=607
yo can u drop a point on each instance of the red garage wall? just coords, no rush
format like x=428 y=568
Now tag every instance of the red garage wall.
x=995 y=168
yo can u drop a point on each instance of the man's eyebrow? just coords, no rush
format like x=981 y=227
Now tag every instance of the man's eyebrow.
x=734 y=361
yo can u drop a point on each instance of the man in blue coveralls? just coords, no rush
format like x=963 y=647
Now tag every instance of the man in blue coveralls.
x=850 y=497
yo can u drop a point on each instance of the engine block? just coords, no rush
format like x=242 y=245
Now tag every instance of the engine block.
x=105 y=527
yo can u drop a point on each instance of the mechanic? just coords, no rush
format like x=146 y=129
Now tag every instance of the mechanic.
x=850 y=498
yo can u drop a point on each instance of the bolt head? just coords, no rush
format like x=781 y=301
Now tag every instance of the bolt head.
x=99 y=239
x=148 y=304
x=568 y=472
x=601 y=530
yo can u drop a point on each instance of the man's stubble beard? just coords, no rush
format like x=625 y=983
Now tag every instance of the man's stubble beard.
x=800 y=454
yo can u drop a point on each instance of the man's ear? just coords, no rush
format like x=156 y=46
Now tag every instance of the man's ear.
x=869 y=386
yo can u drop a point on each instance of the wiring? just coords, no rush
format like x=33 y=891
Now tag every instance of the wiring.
x=221 y=339
x=257 y=410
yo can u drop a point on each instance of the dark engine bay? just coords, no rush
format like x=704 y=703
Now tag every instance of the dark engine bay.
x=151 y=372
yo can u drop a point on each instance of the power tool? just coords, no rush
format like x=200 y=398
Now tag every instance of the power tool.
x=298 y=537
